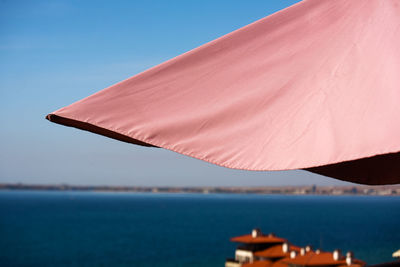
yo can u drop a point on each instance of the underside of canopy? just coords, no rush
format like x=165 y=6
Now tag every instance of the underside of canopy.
x=315 y=86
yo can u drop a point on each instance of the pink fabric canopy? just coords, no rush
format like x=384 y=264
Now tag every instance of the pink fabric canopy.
x=315 y=86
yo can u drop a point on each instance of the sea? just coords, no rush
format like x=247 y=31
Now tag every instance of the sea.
x=42 y=228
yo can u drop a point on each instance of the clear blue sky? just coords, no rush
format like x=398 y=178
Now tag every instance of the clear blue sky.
x=53 y=53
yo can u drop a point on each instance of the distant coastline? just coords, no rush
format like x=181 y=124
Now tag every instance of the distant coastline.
x=389 y=190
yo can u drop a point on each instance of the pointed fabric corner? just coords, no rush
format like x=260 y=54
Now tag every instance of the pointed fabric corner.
x=315 y=86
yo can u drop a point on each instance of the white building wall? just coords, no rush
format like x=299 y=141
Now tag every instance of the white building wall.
x=244 y=256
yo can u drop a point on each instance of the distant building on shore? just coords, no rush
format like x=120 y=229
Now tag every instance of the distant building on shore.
x=260 y=250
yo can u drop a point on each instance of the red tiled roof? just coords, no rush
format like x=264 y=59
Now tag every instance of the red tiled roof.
x=323 y=258
x=276 y=252
x=248 y=239
x=265 y=263
x=279 y=264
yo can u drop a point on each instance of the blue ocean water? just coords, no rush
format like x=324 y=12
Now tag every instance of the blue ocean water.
x=121 y=229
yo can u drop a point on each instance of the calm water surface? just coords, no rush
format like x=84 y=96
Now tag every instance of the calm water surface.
x=118 y=229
